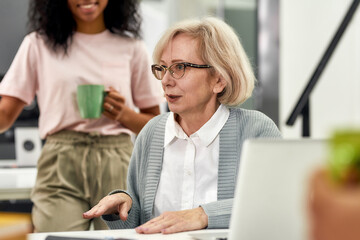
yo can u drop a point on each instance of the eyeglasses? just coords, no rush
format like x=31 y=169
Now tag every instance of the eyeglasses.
x=177 y=70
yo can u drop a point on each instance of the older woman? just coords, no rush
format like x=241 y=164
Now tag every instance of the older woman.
x=184 y=165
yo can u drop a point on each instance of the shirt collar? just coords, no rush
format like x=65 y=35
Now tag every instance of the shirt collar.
x=207 y=133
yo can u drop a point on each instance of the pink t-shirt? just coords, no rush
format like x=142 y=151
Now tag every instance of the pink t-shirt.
x=103 y=58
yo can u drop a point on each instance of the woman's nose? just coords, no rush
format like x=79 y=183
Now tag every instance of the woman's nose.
x=167 y=79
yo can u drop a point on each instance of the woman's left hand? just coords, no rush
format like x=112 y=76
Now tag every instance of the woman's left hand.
x=172 y=222
x=114 y=105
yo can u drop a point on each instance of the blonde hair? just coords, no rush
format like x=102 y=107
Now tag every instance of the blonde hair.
x=219 y=47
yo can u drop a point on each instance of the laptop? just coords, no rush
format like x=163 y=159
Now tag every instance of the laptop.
x=271 y=192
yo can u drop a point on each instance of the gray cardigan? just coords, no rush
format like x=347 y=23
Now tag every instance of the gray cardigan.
x=146 y=163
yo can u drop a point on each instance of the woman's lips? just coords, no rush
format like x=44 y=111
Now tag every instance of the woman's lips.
x=88 y=7
x=172 y=98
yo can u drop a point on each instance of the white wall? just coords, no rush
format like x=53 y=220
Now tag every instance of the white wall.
x=154 y=23
x=306 y=28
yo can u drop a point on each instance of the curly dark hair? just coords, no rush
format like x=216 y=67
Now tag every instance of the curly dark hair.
x=53 y=19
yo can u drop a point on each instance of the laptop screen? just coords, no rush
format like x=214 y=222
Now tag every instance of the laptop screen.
x=271 y=191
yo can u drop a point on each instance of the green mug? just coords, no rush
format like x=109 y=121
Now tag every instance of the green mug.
x=90 y=99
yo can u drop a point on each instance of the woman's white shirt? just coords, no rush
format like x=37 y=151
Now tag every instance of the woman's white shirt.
x=190 y=166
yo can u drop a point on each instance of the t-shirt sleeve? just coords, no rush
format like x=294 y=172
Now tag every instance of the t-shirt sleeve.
x=146 y=89
x=20 y=79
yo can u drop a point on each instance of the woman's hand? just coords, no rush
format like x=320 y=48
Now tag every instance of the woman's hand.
x=119 y=203
x=179 y=221
x=116 y=109
x=114 y=105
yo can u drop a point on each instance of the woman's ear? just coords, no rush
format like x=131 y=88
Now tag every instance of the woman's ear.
x=219 y=85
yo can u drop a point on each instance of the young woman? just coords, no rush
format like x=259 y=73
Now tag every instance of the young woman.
x=80 y=42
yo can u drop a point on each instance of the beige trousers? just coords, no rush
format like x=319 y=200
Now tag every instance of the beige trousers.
x=75 y=171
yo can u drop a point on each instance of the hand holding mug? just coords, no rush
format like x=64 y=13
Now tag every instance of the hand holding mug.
x=114 y=105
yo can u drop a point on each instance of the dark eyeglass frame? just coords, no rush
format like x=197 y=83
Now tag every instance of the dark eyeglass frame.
x=185 y=64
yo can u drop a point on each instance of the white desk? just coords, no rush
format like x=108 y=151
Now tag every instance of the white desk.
x=125 y=233
x=16 y=183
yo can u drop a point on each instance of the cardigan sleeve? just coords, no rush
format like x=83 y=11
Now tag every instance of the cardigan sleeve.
x=134 y=186
x=113 y=220
x=219 y=213
x=137 y=179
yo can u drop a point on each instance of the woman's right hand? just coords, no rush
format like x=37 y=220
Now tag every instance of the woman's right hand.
x=119 y=203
